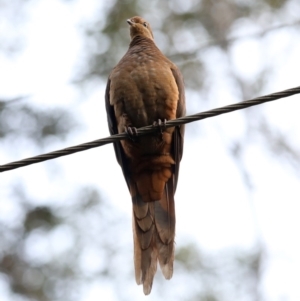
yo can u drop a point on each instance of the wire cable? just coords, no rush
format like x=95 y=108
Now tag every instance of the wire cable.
x=150 y=129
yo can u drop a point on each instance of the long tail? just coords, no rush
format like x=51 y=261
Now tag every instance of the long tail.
x=153 y=233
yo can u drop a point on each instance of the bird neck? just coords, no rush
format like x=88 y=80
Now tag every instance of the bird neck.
x=141 y=40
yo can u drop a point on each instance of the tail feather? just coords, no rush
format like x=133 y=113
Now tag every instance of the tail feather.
x=165 y=214
x=154 y=232
x=145 y=257
x=165 y=225
x=148 y=267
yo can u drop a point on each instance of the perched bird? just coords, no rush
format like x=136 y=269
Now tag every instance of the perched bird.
x=146 y=88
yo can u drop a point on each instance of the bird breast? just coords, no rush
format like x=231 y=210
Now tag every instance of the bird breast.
x=144 y=89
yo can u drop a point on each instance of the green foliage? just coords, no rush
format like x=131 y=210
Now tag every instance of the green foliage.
x=40 y=218
x=22 y=121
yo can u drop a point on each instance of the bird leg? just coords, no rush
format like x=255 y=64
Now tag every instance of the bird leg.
x=131 y=131
x=160 y=125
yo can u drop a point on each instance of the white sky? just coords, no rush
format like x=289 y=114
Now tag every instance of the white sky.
x=213 y=205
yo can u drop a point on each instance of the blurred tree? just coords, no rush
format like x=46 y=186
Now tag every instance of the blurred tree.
x=23 y=122
x=200 y=37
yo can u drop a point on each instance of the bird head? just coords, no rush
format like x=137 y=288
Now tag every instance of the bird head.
x=139 y=27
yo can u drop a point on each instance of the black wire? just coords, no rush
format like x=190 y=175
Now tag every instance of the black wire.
x=150 y=129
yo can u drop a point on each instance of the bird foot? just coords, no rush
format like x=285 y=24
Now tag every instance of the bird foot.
x=131 y=132
x=160 y=125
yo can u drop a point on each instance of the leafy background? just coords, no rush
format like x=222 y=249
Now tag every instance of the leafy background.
x=65 y=225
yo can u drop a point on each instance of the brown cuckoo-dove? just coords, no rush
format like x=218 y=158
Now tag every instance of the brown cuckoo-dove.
x=146 y=88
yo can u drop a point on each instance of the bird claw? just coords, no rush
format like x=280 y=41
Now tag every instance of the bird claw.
x=131 y=132
x=160 y=125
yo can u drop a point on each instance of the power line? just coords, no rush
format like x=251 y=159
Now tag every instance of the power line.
x=150 y=129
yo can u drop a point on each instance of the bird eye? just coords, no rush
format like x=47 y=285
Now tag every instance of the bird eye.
x=145 y=24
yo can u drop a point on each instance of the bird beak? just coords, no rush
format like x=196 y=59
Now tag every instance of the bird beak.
x=130 y=22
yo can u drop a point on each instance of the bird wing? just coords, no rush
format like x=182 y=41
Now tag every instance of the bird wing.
x=178 y=135
x=113 y=129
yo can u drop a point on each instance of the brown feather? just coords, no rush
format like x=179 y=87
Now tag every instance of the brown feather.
x=145 y=86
